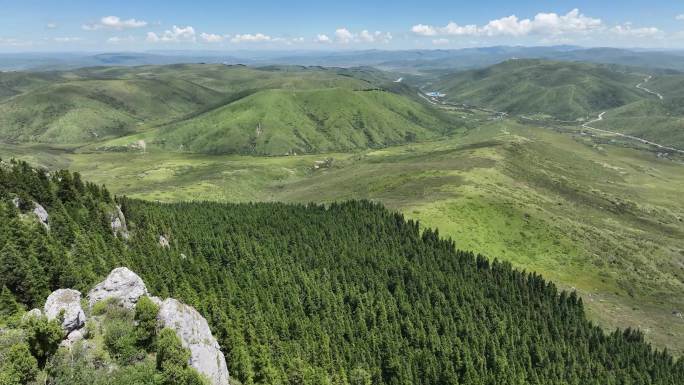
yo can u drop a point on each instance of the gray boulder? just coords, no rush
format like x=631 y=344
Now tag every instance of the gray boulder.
x=72 y=338
x=69 y=301
x=121 y=284
x=118 y=223
x=42 y=214
x=194 y=333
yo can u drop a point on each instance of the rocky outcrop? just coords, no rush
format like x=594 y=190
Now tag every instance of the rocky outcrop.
x=42 y=214
x=38 y=210
x=68 y=301
x=118 y=223
x=194 y=332
x=127 y=287
x=122 y=284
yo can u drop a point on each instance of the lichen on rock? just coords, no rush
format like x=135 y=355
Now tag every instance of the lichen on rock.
x=69 y=302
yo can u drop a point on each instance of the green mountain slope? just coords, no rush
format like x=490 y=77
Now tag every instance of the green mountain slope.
x=348 y=293
x=658 y=117
x=276 y=122
x=660 y=121
x=15 y=83
x=89 y=110
x=562 y=90
x=301 y=109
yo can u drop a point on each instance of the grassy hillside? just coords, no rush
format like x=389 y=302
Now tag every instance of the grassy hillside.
x=15 y=83
x=277 y=122
x=215 y=108
x=652 y=119
x=89 y=110
x=561 y=90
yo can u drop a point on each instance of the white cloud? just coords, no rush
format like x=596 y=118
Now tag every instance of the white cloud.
x=454 y=29
x=345 y=36
x=680 y=17
x=249 y=38
x=51 y=25
x=322 y=38
x=342 y=35
x=288 y=40
x=627 y=30
x=541 y=24
x=152 y=37
x=377 y=36
x=174 y=35
x=67 y=39
x=211 y=37
x=441 y=41
x=116 y=23
x=424 y=30
x=366 y=36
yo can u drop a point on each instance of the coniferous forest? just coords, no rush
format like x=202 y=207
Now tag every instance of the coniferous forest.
x=348 y=293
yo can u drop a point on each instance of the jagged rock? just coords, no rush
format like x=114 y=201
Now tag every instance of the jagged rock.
x=42 y=214
x=163 y=242
x=33 y=313
x=118 y=223
x=72 y=338
x=122 y=284
x=68 y=300
x=193 y=330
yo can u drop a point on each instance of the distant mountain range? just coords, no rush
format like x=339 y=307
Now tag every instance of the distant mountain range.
x=403 y=61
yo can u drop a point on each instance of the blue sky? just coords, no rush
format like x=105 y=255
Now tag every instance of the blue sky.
x=97 y=25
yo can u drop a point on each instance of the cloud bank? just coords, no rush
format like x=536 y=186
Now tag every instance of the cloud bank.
x=115 y=23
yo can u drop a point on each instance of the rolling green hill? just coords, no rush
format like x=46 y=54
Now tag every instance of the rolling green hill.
x=660 y=121
x=88 y=110
x=215 y=108
x=658 y=116
x=560 y=89
x=15 y=83
x=277 y=122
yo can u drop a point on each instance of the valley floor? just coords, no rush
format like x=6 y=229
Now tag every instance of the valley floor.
x=603 y=219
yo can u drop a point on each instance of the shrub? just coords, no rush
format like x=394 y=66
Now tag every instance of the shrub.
x=18 y=366
x=146 y=317
x=120 y=341
x=42 y=336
